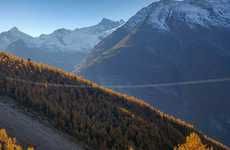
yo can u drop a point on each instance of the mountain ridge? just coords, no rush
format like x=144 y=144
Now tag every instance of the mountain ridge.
x=100 y=117
x=60 y=45
x=53 y=39
x=168 y=44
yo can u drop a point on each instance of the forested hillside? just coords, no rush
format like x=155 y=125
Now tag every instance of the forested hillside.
x=97 y=116
x=172 y=41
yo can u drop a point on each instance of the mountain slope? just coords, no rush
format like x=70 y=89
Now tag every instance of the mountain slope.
x=168 y=42
x=57 y=47
x=30 y=130
x=6 y=38
x=100 y=117
x=48 y=56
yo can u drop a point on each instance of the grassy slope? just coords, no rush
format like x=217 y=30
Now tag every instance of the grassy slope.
x=98 y=116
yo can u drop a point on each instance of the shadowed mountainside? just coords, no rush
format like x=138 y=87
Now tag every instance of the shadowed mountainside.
x=166 y=42
x=95 y=115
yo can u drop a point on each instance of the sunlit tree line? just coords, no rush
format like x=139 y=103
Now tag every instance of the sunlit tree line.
x=97 y=116
x=193 y=142
x=9 y=143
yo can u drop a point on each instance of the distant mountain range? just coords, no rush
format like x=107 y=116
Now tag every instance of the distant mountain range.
x=59 y=46
x=172 y=41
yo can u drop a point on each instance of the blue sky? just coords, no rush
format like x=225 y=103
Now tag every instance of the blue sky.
x=43 y=16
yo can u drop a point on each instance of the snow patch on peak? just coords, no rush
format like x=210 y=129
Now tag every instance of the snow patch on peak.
x=61 y=31
x=157 y=18
x=206 y=13
x=137 y=19
x=82 y=39
x=106 y=21
x=192 y=14
x=14 y=29
x=11 y=36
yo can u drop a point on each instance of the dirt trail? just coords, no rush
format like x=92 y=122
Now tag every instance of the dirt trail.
x=29 y=130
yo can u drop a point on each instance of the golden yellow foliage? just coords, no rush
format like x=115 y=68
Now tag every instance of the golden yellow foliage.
x=8 y=143
x=98 y=116
x=30 y=148
x=193 y=142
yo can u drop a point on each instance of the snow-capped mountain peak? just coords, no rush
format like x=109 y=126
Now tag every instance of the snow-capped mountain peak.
x=206 y=13
x=80 y=39
x=14 y=29
x=11 y=36
x=106 y=21
x=58 y=32
x=109 y=24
